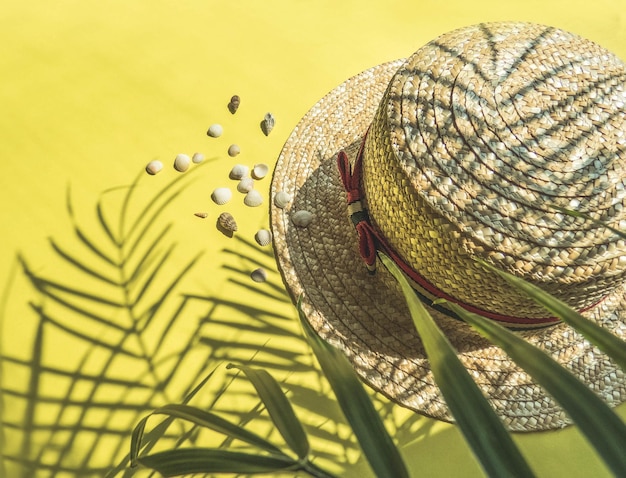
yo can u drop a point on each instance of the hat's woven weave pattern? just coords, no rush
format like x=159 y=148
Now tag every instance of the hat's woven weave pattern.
x=479 y=134
x=366 y=315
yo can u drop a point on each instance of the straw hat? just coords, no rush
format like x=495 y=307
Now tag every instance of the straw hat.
x=460 y=152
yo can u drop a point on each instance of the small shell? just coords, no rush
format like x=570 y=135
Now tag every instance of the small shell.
x=245 y=185
x=202 y=215
x=260 y=171
x=154 y=167
x=267 y=125
x=215 y=130
x=259 y=275
x=239 y=171
x=302 y=218
x=281 y=199
x=197 y=158
x=234 y=104
x=181 y=163
x=253 y=198
x=226 y=223
x=263 y=237
x=221 y=195
x=233 y=150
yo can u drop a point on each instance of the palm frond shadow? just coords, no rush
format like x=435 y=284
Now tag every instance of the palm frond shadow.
x=118 y=304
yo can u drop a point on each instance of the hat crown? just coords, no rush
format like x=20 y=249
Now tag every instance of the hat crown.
x=479 y=136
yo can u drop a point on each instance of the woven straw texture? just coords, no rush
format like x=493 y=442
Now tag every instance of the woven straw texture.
x=476 y=136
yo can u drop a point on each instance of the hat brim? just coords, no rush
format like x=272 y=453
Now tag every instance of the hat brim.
x=366 y=315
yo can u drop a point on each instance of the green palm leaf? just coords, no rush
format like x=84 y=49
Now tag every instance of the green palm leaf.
x=602 y=427
x=483 y=430
x=377 y=445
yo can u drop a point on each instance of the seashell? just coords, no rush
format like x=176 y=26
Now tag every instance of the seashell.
x=302 y=218
x=202 y=215
x=245 y=185
x=233 y=150
x=281 y=199
x=234 y=104
x=267 y=125
x=263 y=237
x=181 y=163
x=221 y=195
x=197 y=158
x=253 y=198
x=239 y=171
x=154 y=167
x=259 y=275
x=227 y=224
x=260 y=171
x=215 y=130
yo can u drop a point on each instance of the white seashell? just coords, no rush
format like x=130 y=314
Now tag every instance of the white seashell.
x=281 y=199
x=263 y=237
x=154 y=167
x=253 y=198
x=215 y=130
x=302 y=218
x=202 y=215
x=239 y=171
x=221 y=195
x=259 y=275
x=260 y=171
x=233 y=150
x=197 y=158
x=181 y=163
x=267 y=125
x=226 y=222
x=245 y=185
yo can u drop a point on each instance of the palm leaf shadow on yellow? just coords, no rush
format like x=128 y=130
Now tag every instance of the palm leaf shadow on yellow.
x=118 y=299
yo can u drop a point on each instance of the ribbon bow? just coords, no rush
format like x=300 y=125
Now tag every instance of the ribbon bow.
x=351 y=179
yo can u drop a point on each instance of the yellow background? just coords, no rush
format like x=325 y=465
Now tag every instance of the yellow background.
x=92 y=91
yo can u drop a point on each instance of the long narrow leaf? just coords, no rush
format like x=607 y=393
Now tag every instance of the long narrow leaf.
x=210 y=420
x=483 y=430
x=602 y=338
x=209 y=460
x=601 y=425
x=377 y=445
x=279 y=409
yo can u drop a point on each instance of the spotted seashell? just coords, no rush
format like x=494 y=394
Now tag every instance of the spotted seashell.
x=181 y=163
x=202 y=215
x=281 y=199
x=221 y=195
x=153 y=167
x=253 y=198
x=197 y=158
x=234 y=104
x=239 y=171
x=260 y=171
x=259 y=275
x=233 y=150
x=226 y=223
x=302 y=218
x=245 y=185
x=267 y=125
x=263 y=237
x=215 y=130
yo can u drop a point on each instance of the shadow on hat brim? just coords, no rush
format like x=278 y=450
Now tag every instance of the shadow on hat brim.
x=366 y=316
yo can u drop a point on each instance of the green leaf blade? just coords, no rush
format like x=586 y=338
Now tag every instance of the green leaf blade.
x=183 y=461
x=601 y=425
x=600 y=337
x=279 y=408
x=482 y=429
x=210 y=420
x=377 y=445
